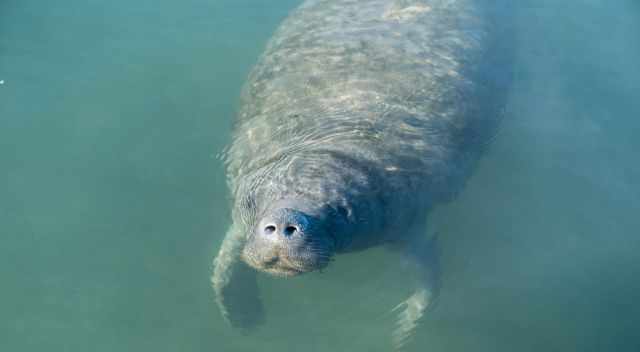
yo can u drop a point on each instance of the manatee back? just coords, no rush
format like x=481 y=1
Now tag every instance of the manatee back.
x=396 y=85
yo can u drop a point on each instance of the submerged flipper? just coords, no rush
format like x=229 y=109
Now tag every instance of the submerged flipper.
x=424 y=255
x=235 y=285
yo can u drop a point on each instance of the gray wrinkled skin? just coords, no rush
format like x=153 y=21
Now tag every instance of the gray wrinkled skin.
x=358 y=117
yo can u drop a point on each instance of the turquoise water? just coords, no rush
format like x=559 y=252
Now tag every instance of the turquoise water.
x=113 y=202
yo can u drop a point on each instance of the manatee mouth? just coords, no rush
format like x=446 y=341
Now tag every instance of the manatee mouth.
x=276 y=267
x=288 y=262
x=289 y=259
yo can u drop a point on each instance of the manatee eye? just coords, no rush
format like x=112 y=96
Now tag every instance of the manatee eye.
x=269 y=229
x=342 y=211
x=290 y=230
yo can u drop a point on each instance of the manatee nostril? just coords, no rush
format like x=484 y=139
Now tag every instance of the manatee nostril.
x=290 y=230
x=270 y=229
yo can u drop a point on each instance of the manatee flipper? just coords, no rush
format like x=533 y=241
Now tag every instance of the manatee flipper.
x=423 y=255
x=235 y=285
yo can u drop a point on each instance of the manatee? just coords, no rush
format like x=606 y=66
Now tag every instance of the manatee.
x=359 y=117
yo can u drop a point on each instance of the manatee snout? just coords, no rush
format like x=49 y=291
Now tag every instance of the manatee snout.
x=288 y=241
x=284 y=224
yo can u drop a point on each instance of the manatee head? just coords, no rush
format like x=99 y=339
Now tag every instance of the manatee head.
x=297 y=211
x=291 y=237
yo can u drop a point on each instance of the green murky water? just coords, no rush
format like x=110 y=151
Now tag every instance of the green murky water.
x=113 y=203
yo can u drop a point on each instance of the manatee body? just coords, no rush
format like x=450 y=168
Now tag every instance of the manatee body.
x=359 y=116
